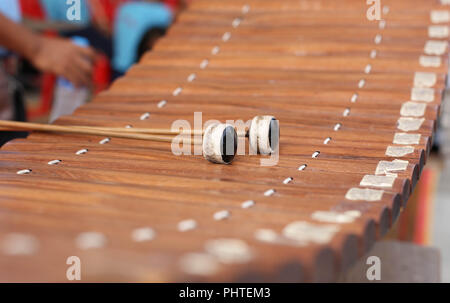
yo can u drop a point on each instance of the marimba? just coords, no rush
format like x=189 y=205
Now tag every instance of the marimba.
x=358 y=103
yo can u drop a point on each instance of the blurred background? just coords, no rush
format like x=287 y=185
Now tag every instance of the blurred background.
x=119 y=31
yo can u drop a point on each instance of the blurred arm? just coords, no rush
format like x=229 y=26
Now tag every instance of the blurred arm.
x=18 y=38
x=54 y=55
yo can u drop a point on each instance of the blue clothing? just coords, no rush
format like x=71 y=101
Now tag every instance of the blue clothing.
x=133 y=21
x=10 y=9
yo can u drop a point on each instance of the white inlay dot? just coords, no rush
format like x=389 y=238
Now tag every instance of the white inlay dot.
x=200 y=264
x=269 y=192
x=226 y=36
x=221 y=215
x=204 y=64
x=373 y=54
x=306 y=232
x=187 y=225
x=361 y=83
x=236 y=22
x=247 y=204
x=24 y=172
x=336 y=217
x=82 y=151
x=191 y=77
x=19 y=244
x=378 y=39
x=302 y=167
x=288 y=180
x=162 y=103
x=144 y=116
x=177 y=91
x=143 y=234
x=90 y=240
x=54 y=162
x=105 y=141
x=215 y=50
x=266 y=235
x=229 y=251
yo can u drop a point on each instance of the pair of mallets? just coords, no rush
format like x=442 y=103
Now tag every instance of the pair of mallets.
x=219 y=142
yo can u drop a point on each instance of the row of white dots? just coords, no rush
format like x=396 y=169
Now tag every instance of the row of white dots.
x=215 y=50
x=89 y=240
x=191 y=77
x=288 y=180
x=144 y=116
x=223 y=214
x=56 y=161
x=361 y=83
x=82 y=151
x=373 y=54
x=236 y=22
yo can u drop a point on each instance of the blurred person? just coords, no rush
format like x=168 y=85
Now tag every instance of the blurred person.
x=121 y=29
x=107 y=24
x=53 y=55
x=11 y=10
x=104 y=12
x=90 y=26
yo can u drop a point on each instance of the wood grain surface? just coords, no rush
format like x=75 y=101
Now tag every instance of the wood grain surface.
x=357 y=116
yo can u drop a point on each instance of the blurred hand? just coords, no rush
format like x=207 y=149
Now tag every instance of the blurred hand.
x=65 y=59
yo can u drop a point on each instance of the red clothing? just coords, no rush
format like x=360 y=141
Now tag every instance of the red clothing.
x=173 y=4
x=31 y=9
x=110 y=7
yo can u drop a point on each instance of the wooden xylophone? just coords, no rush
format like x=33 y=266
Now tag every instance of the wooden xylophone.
x=357 y=100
